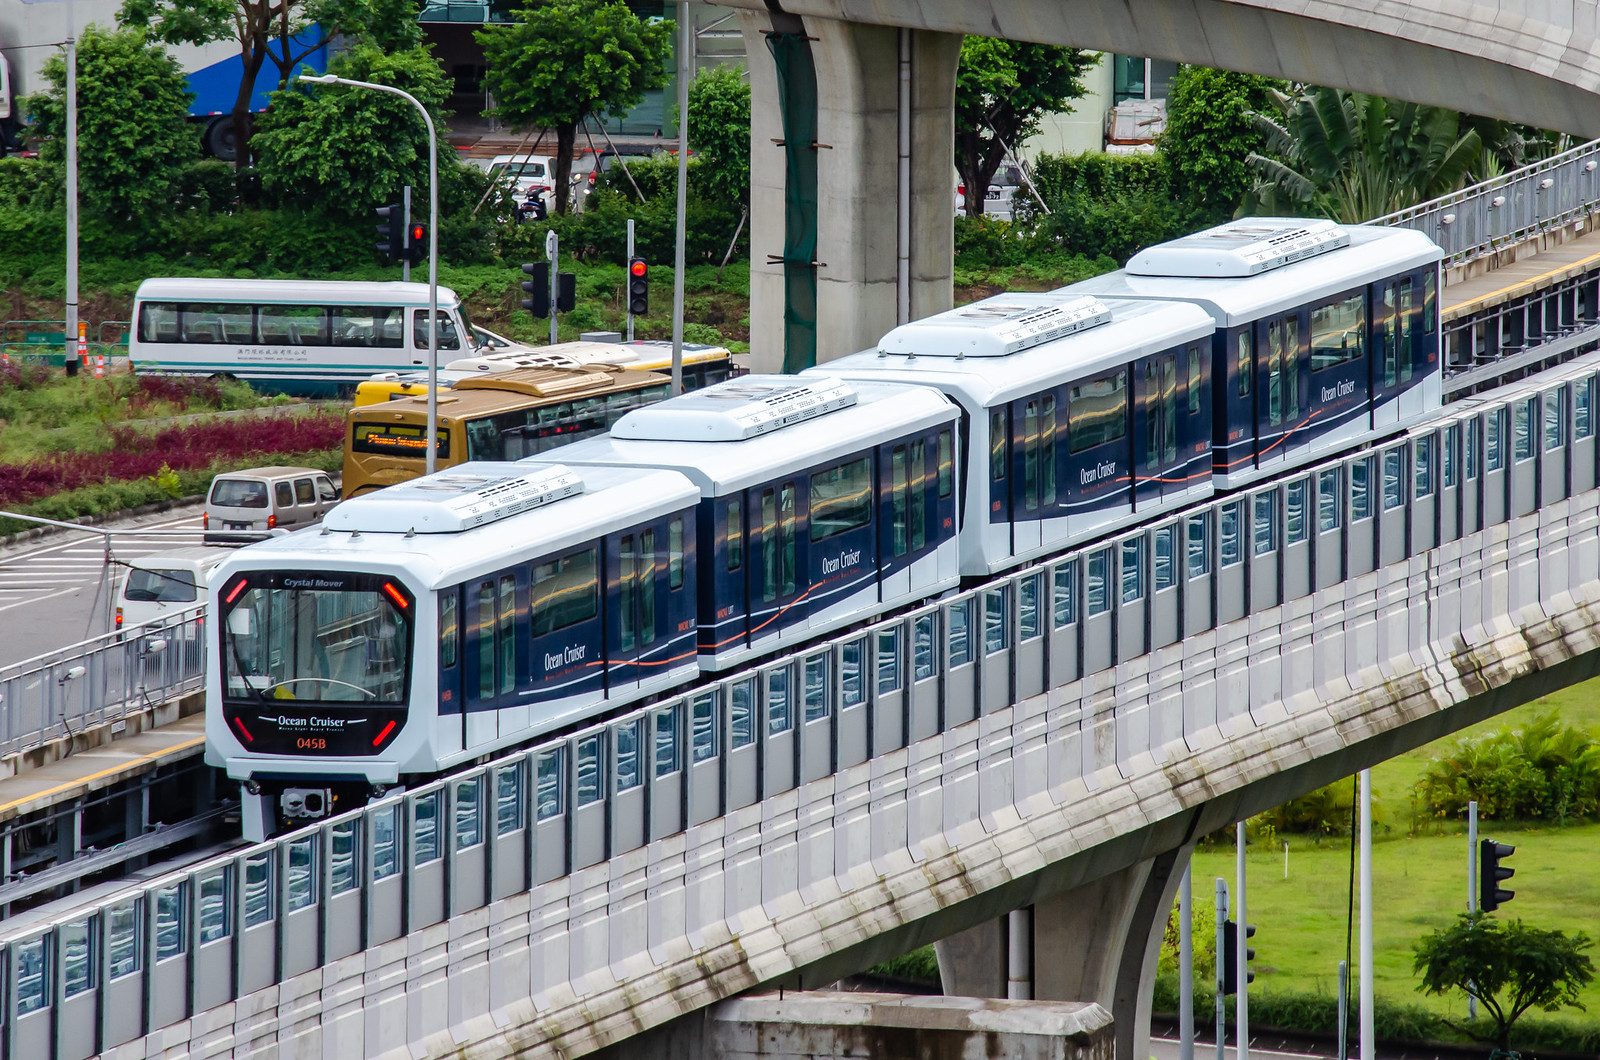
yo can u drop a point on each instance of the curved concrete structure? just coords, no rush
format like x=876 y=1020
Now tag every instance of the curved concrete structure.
x=1532 y=61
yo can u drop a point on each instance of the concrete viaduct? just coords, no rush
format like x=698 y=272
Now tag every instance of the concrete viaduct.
x=851 y=173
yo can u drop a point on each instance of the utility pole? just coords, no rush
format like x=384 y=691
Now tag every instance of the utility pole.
x=628 y=302
x=1222 y=949
x=1472 y=886
x=685 y=52
x=1366 y=1044
x=1186 y=967
x=1241 y=1003
x=405 y=268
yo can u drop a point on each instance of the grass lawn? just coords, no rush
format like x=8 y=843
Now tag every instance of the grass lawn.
x=1419 y=879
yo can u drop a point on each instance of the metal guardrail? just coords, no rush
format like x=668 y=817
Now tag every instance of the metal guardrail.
x=45 y=341
x=1508 y=209
x=100 y=680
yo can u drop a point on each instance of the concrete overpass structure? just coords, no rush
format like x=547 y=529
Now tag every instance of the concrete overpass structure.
x=1056 y=741
x=851 y=161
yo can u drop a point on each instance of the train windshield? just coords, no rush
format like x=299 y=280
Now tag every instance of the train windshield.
x=316 y=637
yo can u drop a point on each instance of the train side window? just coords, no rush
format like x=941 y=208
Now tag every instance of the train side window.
x=647 y=588
x=997 y=445
x=548 y=796
x=1328 y=499
x=1391 y=376
x=1522 y=429
x=769 y=546
x=897 y=495
x=1169 y=409
x=675 y=553
x=1407 y=313
x=1430 y=298
x=1194 y=380
x=486 y=652
x=1294 y=517
x=1228 y=533
x=1047 y=453
x=919 y=495
x=1291 y=369
x=1030 y=456
x=786 y=529
x=1244 y=362
x=947 y=473
x=1097 y=411
x=1338 y=332
x=1275 y=373
x=667 y=726
x=1265 y=533
x=1422 y=473
x=449 y=629
x=1065 y=603
x=627 y=588
x=1163 y=569
x=1133 y=570
x=1555 y=420
x=627 y=755
x=735 y=536
x=1098 y=600
x=1393 y=484
x=565 y=591
x=1452 y=444
x=1361 y=489
x=505 y=634
x=841 y=498
x=1198 y=532
x=1493 y=439
x=1583 y=406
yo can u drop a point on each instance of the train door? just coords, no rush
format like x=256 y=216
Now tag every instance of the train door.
x=450 y=729
x=633 y=565
x=997 y=528
x=490 y=670
x=777 y=546
x=1033 y=469
x=565 y=629
x=722 y=571
x=1158 y=454
x=1234 y=393
x=1391 y=350
x=1283 y=379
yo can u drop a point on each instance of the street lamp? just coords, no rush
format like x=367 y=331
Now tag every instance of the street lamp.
x=433 y=247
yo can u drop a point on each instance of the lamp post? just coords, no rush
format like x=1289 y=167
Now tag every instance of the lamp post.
x=433 y=247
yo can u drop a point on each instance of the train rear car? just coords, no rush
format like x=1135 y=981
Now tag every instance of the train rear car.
x=824 y=502
x=443 y=619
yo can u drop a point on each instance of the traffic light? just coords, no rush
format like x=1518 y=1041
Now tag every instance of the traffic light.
x=1491 y=874
x=566 y=291
x=1230 y=956
x=537 y=287
x=638 y=286
x=391 y=231
x=417 y=243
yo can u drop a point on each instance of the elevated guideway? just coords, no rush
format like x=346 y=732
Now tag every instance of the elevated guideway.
x=1053 y=741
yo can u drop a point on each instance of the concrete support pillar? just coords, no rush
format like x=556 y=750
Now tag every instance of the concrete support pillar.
x=1095 y=943
x=858 y=122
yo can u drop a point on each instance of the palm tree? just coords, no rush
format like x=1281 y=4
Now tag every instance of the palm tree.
x=1352 y=157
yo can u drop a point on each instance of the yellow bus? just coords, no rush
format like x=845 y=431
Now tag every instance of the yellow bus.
x=702 y=365
x=502 y=416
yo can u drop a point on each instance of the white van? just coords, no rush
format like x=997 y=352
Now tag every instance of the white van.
x=166 y=583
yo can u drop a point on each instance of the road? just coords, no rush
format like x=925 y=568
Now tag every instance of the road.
x=58 y=590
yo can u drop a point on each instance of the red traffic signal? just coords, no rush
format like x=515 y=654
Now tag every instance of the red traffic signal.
x=638 y=287
x=638 y=267
x=417 y=243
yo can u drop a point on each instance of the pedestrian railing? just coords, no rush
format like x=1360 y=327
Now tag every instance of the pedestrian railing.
x=1509 y=209
x=100 y=681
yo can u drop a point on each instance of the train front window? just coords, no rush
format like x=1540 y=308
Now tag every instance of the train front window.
x=316 y=637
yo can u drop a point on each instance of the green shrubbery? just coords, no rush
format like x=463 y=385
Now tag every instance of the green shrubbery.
x=1546 y=770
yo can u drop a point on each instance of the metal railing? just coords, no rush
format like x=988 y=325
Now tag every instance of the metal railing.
x=1508 y=209
x=100 y=680
x=45 y=341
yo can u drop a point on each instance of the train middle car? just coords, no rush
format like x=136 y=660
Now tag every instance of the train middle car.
x=824 y=503
x=442 y=619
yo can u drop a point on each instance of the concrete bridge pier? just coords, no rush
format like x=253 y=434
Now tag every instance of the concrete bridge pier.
x=1097 y=942
x=852 y=143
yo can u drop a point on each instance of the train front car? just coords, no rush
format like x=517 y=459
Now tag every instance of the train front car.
x=440 y=620
x=1326 y=334
x=824 y=503
x=1078 y=416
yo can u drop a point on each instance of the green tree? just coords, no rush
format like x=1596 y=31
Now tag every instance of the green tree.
x=1003 y=88
x=1353 y=157
x=133 y=135
x=1210 y=132
x=346 y=150
x=282 y=32
x=1508 y=966
x=565 y=61
x=719 y=131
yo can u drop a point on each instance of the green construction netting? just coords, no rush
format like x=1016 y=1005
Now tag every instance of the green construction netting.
x=797 y=102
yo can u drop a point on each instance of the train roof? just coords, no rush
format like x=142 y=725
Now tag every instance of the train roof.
x=291 y=292
x=1194 y=268
x=471 y=519
x=475 y=394
x=757 y=427
x=941 y=350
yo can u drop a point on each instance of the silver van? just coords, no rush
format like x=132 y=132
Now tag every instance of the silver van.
x=268 y=498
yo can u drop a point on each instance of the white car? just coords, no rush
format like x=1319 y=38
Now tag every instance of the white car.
x=527 y=174
x=1006 y=185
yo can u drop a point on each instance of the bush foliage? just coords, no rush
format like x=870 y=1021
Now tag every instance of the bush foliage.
x=1546 y=770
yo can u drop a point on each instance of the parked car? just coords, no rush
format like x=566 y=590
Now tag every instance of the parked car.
x=527 y=176
x=1006 y=185
x=165 y=583
x=264 y=499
